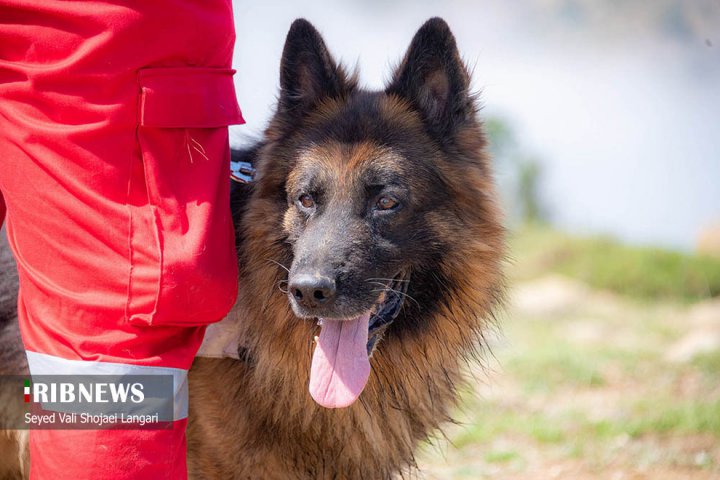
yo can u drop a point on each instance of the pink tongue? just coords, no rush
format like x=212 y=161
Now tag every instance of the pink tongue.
x=340 y=365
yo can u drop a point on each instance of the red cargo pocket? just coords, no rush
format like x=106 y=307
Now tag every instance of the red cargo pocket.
x=182 y=244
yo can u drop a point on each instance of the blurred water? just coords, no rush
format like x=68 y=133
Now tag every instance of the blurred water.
x=620 y=103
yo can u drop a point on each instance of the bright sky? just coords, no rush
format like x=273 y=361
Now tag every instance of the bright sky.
x=625 y=118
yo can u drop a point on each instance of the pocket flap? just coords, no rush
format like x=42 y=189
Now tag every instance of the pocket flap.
x=188 y=98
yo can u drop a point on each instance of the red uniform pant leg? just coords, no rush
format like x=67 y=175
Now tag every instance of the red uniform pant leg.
x=114 y=173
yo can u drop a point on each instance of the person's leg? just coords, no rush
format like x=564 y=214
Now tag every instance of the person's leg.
x=114 y=170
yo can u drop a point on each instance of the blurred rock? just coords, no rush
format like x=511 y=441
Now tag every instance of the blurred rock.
x=703 y=321
x=693 y=344
x=705 y=314
x=708 y=241
x=549 y=295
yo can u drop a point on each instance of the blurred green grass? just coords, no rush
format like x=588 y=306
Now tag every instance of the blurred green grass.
x=646 y=273
x=589 y=388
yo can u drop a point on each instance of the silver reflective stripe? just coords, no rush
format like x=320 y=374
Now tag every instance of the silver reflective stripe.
x=44 y=364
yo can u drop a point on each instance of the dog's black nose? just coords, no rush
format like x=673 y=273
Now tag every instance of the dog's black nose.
x=311 y=291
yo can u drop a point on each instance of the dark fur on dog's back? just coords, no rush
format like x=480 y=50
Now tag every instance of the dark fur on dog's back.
x=255 y=418
x=12 y=357
x=13 y=452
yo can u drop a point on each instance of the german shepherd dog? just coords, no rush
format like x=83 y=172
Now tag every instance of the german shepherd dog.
x=370 y=252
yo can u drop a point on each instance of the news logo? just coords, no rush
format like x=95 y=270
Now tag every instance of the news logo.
x=51 y=391
x=96 y=401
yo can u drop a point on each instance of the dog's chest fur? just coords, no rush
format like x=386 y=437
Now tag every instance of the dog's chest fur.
x=251 y=420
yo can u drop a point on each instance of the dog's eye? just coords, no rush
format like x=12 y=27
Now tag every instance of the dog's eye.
x=306 y=201
x=386 y=203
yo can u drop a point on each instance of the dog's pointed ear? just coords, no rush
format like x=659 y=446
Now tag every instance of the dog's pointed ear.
x=308 y=73
x=434 y=79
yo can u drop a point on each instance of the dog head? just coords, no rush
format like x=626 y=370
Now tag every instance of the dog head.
x=377 y=189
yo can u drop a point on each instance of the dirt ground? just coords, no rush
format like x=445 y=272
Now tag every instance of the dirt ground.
x=584 y=384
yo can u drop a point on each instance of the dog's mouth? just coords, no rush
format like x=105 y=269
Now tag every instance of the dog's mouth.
x=341 y=360
x=386 y=310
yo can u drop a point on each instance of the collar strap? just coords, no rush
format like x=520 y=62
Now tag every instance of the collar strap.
x=242 y=172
